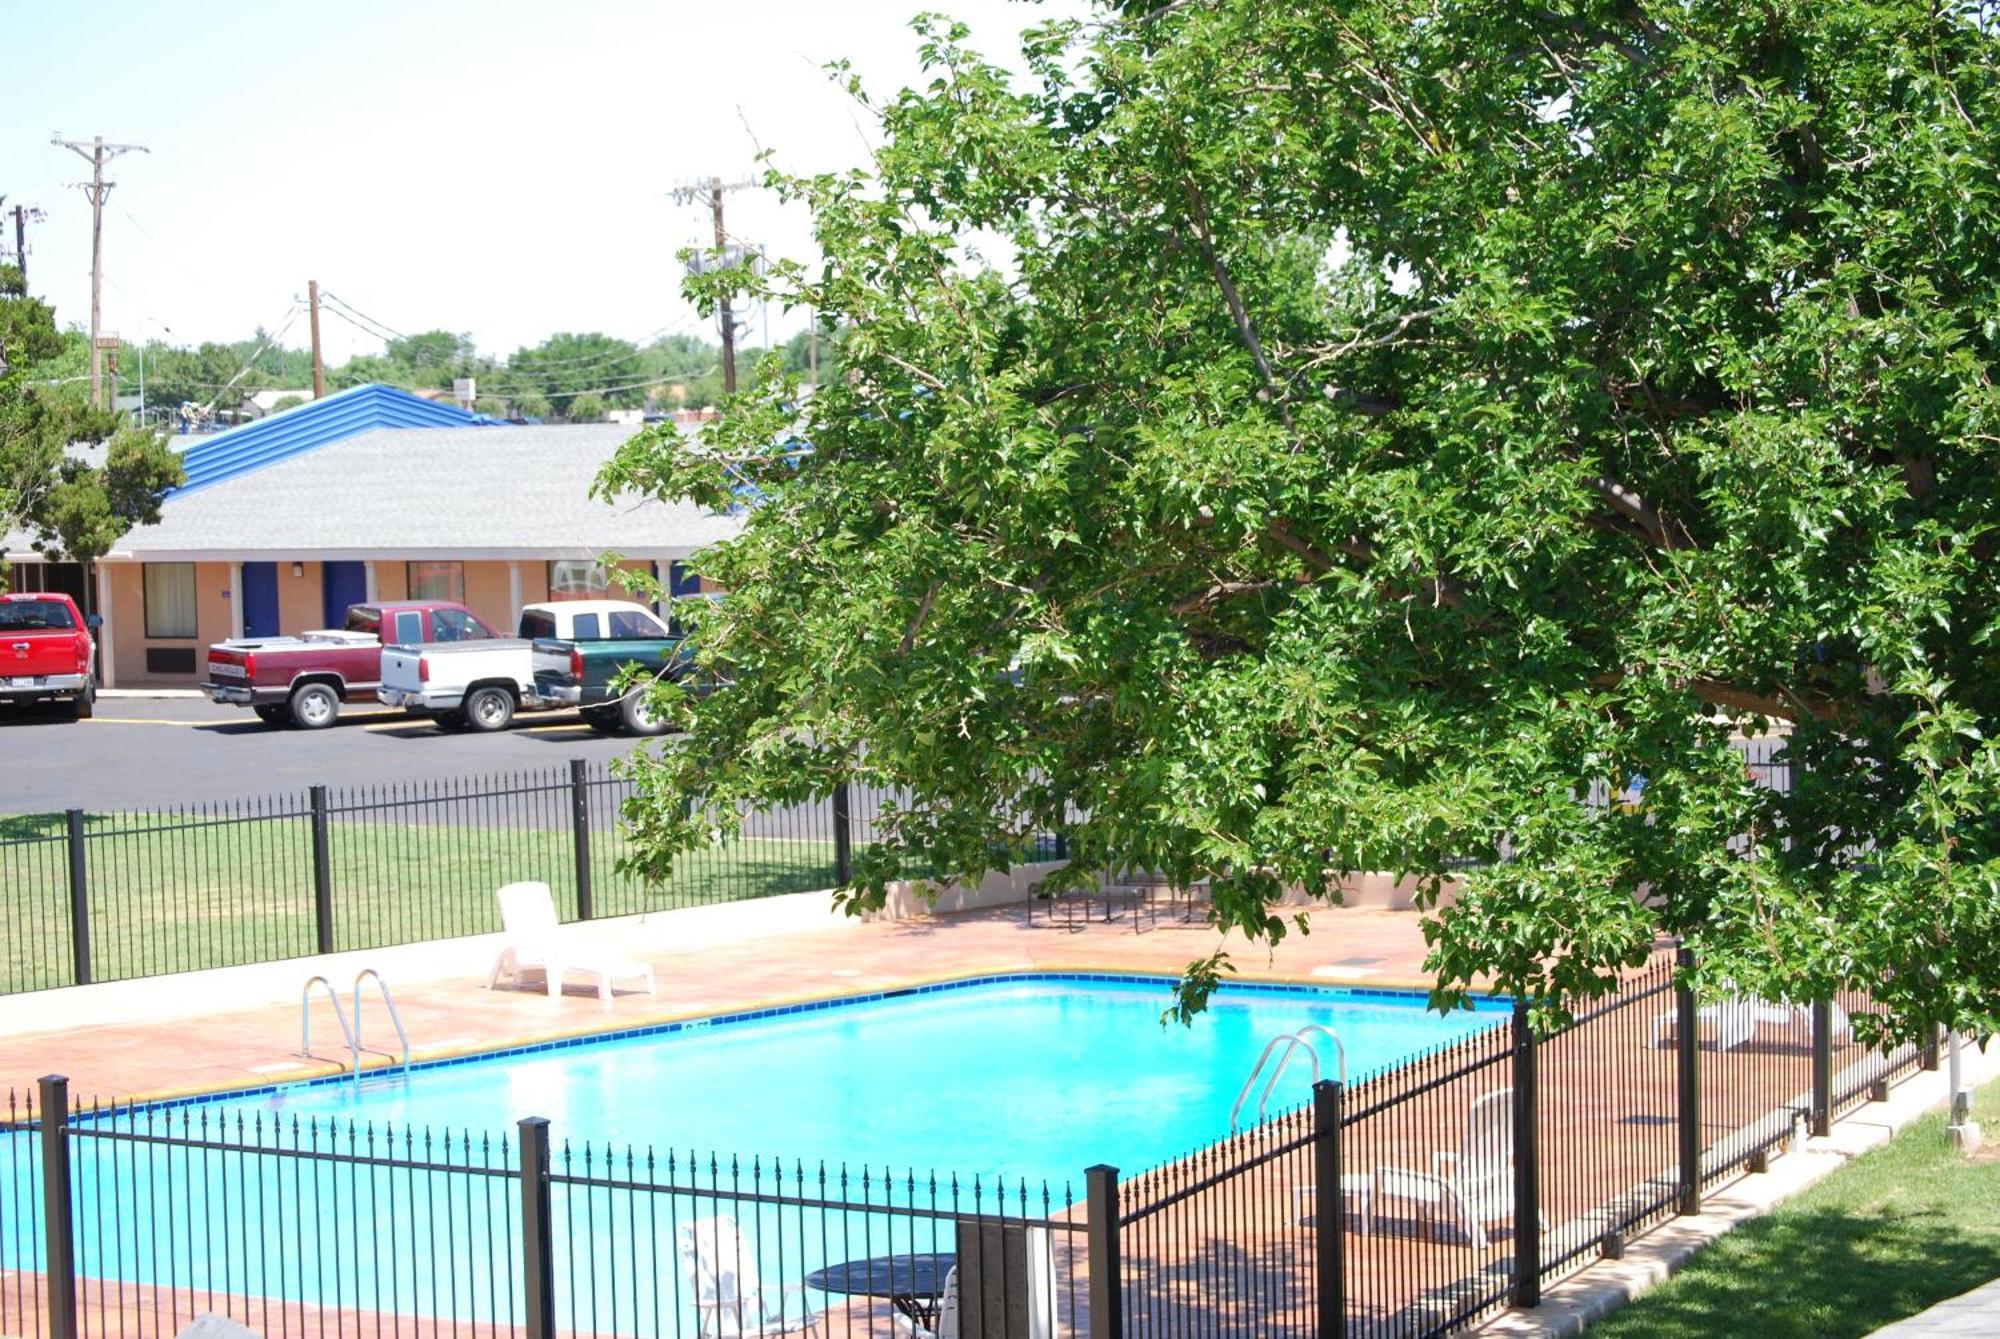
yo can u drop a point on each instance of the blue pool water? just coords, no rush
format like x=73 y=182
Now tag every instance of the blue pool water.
x=1028 y=1077
x=1032 y=1078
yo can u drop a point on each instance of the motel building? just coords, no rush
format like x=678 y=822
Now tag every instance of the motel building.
x=369 y=494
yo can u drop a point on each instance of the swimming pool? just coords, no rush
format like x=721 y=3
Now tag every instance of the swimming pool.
x=1030 y=1077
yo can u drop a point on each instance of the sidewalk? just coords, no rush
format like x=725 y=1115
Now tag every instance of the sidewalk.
x=1973 y=1315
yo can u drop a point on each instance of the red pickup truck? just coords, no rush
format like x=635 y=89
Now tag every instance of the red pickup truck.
x=46 y=651
x=303 y=680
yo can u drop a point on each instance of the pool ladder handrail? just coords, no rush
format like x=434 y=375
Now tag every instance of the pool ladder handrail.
x=349 y=1031
x=388 y=1001
x=1291 y=1041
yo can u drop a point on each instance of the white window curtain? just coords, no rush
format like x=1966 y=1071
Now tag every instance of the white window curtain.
x=170 y=600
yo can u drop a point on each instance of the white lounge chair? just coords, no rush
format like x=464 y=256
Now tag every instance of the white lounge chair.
x=534 y=943
x=1472 y=1186
x=1732 y=1022
x=947 y=1316
x=729 y=1300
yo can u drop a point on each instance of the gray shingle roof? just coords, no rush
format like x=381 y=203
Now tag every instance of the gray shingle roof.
x=494 y=492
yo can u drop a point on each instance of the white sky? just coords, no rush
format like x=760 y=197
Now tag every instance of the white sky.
x=500 y=168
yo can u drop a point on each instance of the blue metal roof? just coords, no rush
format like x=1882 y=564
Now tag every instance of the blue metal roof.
x=312 y=425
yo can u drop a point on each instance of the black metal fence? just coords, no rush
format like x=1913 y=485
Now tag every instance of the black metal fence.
x=1399 y=1204
x=135 y=1221
x=100 y=897
x=1394 y=1205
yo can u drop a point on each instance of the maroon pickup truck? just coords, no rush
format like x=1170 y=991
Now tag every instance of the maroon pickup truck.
x=46 y=651
x=303 y=680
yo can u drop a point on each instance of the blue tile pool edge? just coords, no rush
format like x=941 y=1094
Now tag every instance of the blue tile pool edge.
x=707 y=1022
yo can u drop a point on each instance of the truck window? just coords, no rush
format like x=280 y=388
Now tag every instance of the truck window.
x=537 y=623
x=409 y=627
x=633 y=623
x=583 y=628
x=455 y=625
x=32 y=615
x=361 y=618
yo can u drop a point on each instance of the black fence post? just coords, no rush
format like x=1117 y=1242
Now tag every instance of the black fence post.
x=79 y=898
x=58 y=1213
x=1062 y=844
x=1329 y=1211
x=1820 y=1117
x=579 y=810
x=1107 y=1298
x=322 y=871
x=1527 y=1165
x=843 y=835
x=1687 y=1048
x=538 y=1272
x=1928 y=1056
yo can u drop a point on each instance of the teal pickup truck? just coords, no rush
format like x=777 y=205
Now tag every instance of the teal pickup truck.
x=606 y=637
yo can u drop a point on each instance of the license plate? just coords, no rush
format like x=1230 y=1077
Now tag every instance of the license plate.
x=224 y=670
x=23 y=681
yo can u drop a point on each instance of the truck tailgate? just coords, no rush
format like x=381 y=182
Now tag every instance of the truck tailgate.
x=32 y=653
x=402 y=668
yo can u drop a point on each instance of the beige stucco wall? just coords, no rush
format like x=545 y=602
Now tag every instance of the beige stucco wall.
x=486 y=594
x=127 y=620
x=301 y=599
x=392 y=581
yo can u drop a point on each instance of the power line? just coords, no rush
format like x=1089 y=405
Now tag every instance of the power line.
x=360 y=316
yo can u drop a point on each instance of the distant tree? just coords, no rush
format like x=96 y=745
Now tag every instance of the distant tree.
x=531 y=405
x=365 y=369
x=285 y=402
x=432 y=359
x=569 y=364
x=586 y=408
x=70 y=508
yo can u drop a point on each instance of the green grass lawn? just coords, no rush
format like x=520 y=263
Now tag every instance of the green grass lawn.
x=167 y=895
x=1898 y=1230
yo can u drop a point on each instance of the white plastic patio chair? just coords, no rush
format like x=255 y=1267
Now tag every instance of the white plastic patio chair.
x=534 y=943
x=1471 y=1186
x=1733 y=1022
x=729 y=1300
x=947 y=1316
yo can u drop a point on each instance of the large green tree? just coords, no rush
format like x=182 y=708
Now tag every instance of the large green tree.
x=69 y=502
x=1396 y=423
x=564 y=366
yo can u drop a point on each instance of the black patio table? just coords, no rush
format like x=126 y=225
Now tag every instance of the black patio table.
x=913 y=1283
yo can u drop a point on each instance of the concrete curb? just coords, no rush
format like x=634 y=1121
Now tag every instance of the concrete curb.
x=1570 y=1307
x=183 y=694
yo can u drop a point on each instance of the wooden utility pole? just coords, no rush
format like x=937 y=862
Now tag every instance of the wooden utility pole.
x=319 y=366
x=97 y=153
x=715 y=188
x=23 y=213
x=728 y=316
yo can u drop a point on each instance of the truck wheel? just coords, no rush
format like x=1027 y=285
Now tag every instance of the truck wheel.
x=637 y=716
x=603 y=721
x=274 y=713
x=315 y=706
x=85 y=702
x=488 y=709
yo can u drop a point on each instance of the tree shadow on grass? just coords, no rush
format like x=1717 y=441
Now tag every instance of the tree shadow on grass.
x=1821 y=1273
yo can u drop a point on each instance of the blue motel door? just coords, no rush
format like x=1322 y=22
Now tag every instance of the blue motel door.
x=260 y=600
x=343 y=584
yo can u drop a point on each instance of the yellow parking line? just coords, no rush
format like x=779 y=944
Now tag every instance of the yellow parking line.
x=397 y=725
x=551 y=729
x=139 y=720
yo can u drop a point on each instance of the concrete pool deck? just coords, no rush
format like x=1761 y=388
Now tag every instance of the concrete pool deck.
x=162 y=1042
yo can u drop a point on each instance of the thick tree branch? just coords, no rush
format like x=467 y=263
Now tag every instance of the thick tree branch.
x=1663 y=531
x=1198 y=215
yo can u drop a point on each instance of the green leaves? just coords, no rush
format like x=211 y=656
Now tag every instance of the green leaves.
x=1392 y=429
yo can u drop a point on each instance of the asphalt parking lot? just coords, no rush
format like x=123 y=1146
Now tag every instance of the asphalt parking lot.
x=155 y=753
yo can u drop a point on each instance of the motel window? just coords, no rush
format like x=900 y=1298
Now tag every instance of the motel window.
x=579 y=579
x=170 y=600
x=437 y=581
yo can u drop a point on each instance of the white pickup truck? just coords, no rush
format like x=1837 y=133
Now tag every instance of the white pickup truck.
x=479 y=685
